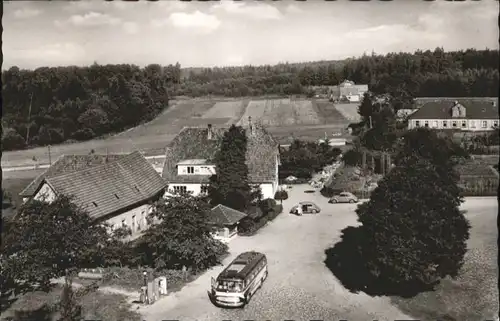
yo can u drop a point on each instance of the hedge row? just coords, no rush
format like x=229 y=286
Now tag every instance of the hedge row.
x=249 y=227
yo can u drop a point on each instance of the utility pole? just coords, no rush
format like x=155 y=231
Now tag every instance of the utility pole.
x=50 y=159
x=371 y=126
x=29 y=115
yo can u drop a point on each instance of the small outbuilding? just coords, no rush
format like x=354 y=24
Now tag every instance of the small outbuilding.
x=226 y=221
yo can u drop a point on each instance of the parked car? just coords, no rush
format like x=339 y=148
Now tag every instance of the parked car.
x=307 y=208
x=344 y=197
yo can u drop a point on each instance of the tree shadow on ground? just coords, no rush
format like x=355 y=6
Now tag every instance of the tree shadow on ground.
x=44 y=313
x=346 y=262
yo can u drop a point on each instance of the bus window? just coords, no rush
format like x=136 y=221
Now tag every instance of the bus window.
x=230 y=286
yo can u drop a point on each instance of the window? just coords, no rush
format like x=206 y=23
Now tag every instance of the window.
x=139 y=222
x=190 y=170
x=472 y=124
x=204 y=189
x=417 y=123
x=445 y=123
x=124 y=223
x=495 y=123
x=133 y=222
x=464 y=123
x=180 y=189
x=435 y=124
x=454 y=123
x=484 y=124
x=426 y=124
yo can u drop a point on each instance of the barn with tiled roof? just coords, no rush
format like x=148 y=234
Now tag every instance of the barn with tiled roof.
x=119 y=192
x=189 y=161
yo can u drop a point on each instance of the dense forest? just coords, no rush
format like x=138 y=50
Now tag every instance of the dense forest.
x=421 y=74
x=53 y=105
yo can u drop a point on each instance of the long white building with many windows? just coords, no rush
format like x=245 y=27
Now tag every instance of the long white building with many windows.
x=458 y=115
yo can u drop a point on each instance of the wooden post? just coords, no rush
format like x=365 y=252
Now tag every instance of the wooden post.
x=50 y=159
x=382 y=164
x=29 y=116
x=373 y=163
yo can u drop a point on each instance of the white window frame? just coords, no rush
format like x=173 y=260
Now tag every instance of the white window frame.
x=426 y=123
x=484 y=124
x=435 y=124
x=472 y=123
x=190 y=169
x=417 y=123
x=180 y=188
x=124 y=223
x=445 y=124
x=495 y=123
x=464 y=123
x=454 y=124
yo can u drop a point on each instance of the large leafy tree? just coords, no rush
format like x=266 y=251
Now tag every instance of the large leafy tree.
x=180 y=234
x=416 y=232
x=229 y=186
x=52 y=240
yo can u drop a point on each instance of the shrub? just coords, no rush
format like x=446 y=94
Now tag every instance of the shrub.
x=281 y=195
x=328 y=191
x=267 y=205
x=277 y=209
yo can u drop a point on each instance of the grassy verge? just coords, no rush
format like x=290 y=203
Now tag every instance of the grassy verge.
x=133 y=279
x=95 y=306
x=474 y=294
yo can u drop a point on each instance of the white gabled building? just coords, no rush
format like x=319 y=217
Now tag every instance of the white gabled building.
x=189 y=160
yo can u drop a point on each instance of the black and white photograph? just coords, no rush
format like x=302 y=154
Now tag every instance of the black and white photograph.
x=250 y=160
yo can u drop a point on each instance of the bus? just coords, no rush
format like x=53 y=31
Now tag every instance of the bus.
x=238 y=282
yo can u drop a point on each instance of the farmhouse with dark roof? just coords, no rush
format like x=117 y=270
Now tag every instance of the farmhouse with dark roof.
x=118 y=191
x=461 y=115
x=189 y=161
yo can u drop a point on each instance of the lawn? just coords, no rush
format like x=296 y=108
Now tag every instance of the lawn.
x=281 y=112
x=349 y=111
x=95 y=306
x=474 y=294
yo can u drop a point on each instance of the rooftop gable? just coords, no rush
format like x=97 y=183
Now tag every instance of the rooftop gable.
x=223 y=215
x=68 y=164
x=114 y=186
x=193 y=143
x=443 y=110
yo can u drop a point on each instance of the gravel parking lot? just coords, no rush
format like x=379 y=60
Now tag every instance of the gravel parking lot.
x=299 y=286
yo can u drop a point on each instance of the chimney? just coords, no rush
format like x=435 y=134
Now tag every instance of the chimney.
x=209 y=135
x=250 y=126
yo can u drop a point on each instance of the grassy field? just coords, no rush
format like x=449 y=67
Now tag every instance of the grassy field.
x=286 y=118
x=231 y=110
x=349 y=111
x=281 y=112
x=95 y=306
x=474 y=294
x=329 y=114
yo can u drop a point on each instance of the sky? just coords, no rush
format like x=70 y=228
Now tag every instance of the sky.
x=230 y=33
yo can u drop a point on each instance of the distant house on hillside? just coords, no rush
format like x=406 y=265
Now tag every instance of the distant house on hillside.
x=116 y=189
x=348 y=91
x=465 y=115
x=189 y=160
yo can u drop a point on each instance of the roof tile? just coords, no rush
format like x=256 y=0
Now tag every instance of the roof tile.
x=106 y=189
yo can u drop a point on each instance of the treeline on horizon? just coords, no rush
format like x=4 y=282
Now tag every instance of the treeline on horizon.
x=466 y=73
x=54 y=105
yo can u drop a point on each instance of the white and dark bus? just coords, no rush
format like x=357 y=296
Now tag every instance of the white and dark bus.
x=238 y=282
